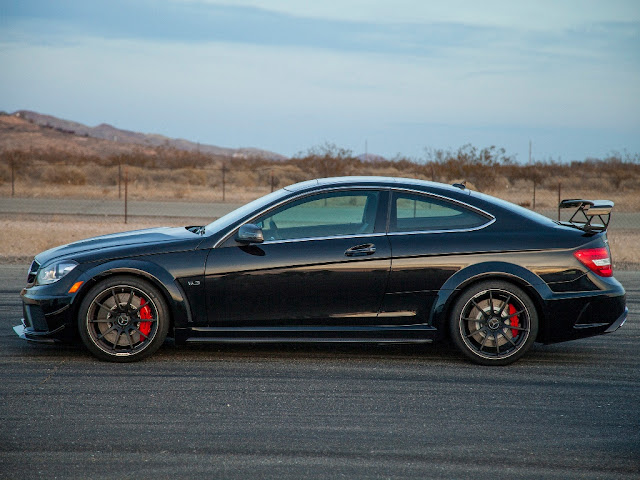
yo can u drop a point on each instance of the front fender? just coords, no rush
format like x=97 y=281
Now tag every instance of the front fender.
x=516 y=274
x=159 y=276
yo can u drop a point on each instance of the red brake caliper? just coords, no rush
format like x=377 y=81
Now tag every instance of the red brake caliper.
x=145 y=314
x=515 y=321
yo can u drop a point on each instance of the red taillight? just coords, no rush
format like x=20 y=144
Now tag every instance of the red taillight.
x=597 y=260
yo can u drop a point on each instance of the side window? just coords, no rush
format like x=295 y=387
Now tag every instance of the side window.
x=322 y=215
x=414 y=213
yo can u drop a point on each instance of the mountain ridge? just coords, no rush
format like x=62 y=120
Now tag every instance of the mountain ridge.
x=118 y=139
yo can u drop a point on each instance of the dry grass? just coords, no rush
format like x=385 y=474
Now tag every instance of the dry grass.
x=22 y=239
x=25 y=238
x=166 y=191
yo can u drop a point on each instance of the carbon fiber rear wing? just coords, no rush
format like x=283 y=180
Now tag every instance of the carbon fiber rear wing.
x=587 y=211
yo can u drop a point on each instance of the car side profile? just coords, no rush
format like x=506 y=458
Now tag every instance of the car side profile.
x=349 y=259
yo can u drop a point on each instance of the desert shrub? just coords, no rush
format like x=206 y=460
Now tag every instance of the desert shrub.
x=101 y=174
x=63 y=174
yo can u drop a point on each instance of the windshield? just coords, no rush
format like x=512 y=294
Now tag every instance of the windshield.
x=239 y=213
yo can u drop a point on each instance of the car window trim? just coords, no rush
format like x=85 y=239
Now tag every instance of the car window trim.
x=490 y=218
x=333 y=237
x=302 y=195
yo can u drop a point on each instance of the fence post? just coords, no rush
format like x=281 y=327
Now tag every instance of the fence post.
x=559 y=198
x=534 y=194
x=13 y=178
x=272 y=181
x=126 y=192
x=119 y=180
x=224 y=171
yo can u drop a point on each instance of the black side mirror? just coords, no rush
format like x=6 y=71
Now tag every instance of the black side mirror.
x=249 y=233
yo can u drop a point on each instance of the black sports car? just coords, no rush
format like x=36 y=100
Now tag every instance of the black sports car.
x=352 y=259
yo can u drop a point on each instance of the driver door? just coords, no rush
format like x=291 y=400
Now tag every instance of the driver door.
x=325 y=260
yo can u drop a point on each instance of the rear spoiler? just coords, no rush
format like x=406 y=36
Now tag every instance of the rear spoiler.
x=589 y=209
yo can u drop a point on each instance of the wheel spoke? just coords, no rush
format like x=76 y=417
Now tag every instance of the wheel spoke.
x=479 y=309
x=511 y=315
x=480 y=330
x=104 y=307
x=146 y=304
x=504 y=305
x=115 y=298
x=491 y=302
x=141 y=334
x=129 y=338
x=484 y=340
x=495 y=339
x=111 y=329
x=504 y=334
x=115 y=343
x=516 y=328
x=479 y=320
x=128 y=307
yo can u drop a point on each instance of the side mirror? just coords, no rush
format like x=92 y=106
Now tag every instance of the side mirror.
x=249 y=233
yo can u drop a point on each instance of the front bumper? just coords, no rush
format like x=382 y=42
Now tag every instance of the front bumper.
x=35 y=336
x=47 y=316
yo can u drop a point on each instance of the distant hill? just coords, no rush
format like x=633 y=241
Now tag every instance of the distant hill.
x=25 y=130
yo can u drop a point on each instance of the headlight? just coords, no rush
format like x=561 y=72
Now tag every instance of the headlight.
x=54 y=272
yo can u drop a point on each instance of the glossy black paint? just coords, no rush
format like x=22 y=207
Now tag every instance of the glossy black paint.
x=397 y=286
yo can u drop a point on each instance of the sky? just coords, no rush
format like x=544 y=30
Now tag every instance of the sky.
x=399 y=77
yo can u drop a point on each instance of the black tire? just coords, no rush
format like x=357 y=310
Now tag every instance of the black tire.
x=123 y=319
x=493 y=323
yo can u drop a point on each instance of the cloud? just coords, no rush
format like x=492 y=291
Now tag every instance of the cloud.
x=284 y=79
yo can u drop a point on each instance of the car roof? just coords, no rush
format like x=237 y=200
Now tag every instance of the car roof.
x=372 y=181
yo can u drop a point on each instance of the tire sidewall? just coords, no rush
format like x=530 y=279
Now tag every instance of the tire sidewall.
x=143 y=285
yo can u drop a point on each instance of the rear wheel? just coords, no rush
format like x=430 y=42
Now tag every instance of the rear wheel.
x=123 y=319
x=494 y=323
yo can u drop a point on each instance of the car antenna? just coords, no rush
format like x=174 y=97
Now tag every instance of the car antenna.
x=461 y=186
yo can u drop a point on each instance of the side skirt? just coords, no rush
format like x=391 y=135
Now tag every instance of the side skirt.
x=314 y=334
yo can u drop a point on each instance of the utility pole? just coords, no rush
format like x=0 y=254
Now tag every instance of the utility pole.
x=529 y=152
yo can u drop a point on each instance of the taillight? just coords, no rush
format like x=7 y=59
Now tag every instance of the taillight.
x=597 y=260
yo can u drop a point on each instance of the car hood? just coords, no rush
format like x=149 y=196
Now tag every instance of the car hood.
x=151 y=240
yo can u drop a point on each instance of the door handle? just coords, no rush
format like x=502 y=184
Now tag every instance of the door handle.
x=361 y=250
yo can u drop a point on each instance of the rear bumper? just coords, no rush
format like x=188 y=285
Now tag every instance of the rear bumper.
x=619 y=322
x=586 y=315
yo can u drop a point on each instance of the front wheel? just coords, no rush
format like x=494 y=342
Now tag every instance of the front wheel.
x=494 y=323
x=123 y=319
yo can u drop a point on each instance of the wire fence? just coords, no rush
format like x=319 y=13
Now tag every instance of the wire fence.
x=207 y=192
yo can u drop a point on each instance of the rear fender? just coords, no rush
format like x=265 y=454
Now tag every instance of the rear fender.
x=518 y=275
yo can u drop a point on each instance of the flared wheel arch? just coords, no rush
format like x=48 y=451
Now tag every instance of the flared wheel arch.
x=134 y=274
x=534 y=295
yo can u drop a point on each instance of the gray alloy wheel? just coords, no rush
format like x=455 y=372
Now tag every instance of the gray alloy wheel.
x=123 y=319
x=494 y=323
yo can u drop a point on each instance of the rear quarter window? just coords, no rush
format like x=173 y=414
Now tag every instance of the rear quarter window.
x=415 y=212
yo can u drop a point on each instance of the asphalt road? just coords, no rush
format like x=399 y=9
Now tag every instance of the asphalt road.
x=565 y=411
x=70 y=206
